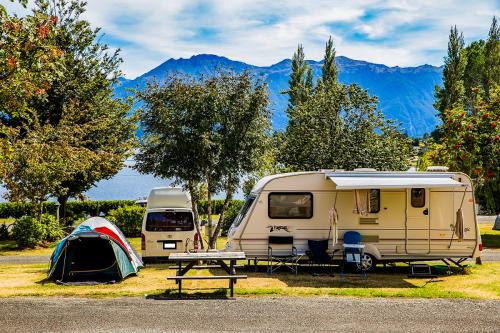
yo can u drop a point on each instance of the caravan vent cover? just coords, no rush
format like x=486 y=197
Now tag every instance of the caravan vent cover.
x=365 y=170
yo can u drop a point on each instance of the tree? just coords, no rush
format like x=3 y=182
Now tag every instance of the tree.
x=329 y=69
x=338 y=126
x=452 y=93
x=85 y=85
x=243 y=134
x=473 y=72
x=468 y=140
x=41 y=160
x=209 y=131
x=29 y=62
x=491 y=71
x=297 y=84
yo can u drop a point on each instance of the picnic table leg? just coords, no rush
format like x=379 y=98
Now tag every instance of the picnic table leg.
x=180 y=289
x=231 y=286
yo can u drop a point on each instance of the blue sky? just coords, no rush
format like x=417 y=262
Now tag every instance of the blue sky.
x=263 y=32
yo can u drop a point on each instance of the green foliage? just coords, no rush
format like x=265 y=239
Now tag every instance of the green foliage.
x=128 y=219
x=231 y=213
x=63 y=112
x=341 y=128
x=28 y=232
x=74 y=209
x=336 y=126
x=298 y=83
x=211 y=131
x=329 y=69
x=469 y=138
x=453 y=90
x=52 y=229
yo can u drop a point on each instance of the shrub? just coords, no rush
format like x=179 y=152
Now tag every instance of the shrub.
x=4 y=232
x=74 y=209
x=128 y=219
x=231 y=213
x=52 y=229
x=28 y=231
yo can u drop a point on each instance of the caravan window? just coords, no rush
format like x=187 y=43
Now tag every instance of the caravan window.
x=374 y=200
x=291 y=205
x=243 y=211
x=418 y=197
x=169 y=221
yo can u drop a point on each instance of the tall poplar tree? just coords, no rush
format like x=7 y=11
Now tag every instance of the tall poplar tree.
x=329 y=69
x=492 y=58
x=452 y=92
x=297 y=90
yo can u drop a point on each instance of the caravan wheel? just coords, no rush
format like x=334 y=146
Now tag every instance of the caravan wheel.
x=368 y=261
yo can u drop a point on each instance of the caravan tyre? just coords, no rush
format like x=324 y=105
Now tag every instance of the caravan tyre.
x=368 y=261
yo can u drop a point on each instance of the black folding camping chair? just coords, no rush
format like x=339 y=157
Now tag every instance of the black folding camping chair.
x=282 y=253
x=318 y=254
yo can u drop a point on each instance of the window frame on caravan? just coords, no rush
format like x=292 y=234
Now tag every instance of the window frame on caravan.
x=412 y=197
x=290 y=217
x=244 y=210
x=378 y=200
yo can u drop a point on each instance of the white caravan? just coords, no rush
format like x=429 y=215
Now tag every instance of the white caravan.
x=402 y=216
x=168 y=224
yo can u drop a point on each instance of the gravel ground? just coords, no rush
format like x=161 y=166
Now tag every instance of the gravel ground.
x=248 y=314
x=487 y=256
x=24 y=259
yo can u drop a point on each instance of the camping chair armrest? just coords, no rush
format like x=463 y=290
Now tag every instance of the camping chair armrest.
x=294 y=251
x=269 y=251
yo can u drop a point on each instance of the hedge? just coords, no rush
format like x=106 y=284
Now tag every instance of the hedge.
x=73 y=208
x=78 y=209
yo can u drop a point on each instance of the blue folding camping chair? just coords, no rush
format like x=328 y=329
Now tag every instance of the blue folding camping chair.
x=353 y=251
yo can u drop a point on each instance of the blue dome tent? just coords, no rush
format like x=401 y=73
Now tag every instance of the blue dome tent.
x=95 y=251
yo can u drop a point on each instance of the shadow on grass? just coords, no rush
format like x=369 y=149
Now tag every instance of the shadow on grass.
x=491 y=240
x=173 y=295
x=331 y=277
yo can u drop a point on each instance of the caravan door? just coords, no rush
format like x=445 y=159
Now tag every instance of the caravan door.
x=417 y=221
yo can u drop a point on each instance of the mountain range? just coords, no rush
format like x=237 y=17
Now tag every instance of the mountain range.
x=405 y=94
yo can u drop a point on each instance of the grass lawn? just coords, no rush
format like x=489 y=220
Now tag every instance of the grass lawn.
x=6 y=221
x=490 y=238
x=483 y=282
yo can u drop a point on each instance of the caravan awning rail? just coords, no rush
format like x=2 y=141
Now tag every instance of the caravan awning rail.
x=379 y=181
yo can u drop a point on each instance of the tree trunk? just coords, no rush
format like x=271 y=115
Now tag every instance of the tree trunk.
x=209 y=218
x=62 y=200
x=227 y=200
x=194 y=206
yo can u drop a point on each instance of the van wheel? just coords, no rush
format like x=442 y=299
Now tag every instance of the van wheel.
x=368 y=262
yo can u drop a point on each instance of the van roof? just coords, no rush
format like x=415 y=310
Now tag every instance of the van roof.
x=168 y=197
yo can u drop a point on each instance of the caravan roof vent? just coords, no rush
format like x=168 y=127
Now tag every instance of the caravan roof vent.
x=365 y=170
x=438 y=168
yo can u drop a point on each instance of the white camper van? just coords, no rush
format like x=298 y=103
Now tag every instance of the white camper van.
x=402 y=216
x=168 y=224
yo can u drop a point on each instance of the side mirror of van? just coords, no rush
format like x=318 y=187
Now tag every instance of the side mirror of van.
x=203 y=223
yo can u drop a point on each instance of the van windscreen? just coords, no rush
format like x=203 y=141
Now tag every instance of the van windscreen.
x=169 y=221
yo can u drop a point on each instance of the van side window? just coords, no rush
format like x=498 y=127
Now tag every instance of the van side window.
x=290 y=205
x=374 y=201
x=418 y=197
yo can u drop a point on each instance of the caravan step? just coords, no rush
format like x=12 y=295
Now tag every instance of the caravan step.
x=420 y=270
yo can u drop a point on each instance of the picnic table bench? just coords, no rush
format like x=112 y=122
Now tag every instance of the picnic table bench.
x=191 y=259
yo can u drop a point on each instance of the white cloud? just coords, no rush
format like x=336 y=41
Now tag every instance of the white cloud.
x=262 y=32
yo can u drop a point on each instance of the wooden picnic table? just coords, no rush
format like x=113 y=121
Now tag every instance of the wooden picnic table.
x=190 y=259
